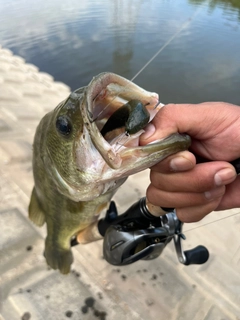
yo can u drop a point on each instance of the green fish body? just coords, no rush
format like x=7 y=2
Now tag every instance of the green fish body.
x=77 y=170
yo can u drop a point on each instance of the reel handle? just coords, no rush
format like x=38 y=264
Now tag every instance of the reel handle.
x=197 y=255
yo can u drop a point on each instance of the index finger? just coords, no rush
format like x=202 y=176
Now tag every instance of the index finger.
x=178 y=162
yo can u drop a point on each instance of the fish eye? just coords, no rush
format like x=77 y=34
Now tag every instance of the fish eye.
x=63 y=125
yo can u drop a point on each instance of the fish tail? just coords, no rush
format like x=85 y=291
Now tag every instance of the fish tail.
x=58 y=257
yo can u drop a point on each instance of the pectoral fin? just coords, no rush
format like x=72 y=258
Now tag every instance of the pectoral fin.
x=89 y=234
x=34 y=211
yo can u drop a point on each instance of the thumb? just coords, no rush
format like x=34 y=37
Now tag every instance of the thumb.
x=165 y=123
x=194 y=119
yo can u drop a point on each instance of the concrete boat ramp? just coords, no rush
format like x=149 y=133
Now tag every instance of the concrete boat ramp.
x=153 y=290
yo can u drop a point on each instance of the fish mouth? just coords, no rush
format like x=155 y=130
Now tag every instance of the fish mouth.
x=105 y=94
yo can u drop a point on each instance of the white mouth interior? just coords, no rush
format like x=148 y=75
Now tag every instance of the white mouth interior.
x=104 y=104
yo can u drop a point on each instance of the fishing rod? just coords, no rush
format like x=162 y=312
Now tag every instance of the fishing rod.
x=140 y=234
x=143 y=231
x=137 y=234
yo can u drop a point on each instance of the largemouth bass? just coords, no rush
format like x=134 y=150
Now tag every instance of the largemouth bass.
x=77 y=169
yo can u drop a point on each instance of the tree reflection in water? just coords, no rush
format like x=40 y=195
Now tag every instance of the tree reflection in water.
x=225 y=4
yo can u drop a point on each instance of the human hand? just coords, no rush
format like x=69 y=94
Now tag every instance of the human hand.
x=197 y=189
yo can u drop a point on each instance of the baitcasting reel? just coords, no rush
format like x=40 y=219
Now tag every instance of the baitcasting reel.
x=137 y=234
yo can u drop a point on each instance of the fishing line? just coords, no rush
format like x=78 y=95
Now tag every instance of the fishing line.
x=203 y=225
x=185 y=25
x=123 y=138
x=215 y=221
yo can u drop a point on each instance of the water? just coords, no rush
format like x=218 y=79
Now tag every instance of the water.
x=75 y=40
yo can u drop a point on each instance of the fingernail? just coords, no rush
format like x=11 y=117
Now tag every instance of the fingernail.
x=149 y=131
x=180 y=164
x=225 y=176
x=215 y=193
